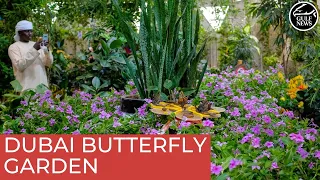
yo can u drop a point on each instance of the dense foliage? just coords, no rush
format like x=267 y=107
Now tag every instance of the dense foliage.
x=254 y=138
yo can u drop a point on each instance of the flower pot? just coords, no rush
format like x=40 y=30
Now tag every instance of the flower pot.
x=129 y=104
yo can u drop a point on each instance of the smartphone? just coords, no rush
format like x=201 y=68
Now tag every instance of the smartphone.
x=45 y=38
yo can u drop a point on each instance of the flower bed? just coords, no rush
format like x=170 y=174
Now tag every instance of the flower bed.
x=254 y=138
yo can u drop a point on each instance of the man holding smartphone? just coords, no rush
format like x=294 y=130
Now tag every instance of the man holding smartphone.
x=29 y=58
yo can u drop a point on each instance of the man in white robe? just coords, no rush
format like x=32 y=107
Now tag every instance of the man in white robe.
x=29 y=58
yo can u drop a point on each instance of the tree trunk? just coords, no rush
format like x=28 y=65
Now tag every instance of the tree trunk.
x=286 y=47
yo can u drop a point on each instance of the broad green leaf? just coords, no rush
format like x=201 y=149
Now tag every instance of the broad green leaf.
x=115 y=44
x=105 y=63
x=119 y=59
x=103 y=94
x=163 y=97
x=168 y=84
x=105 y=84
x=87 y=88
x=16 y=85
x=96 y=82
x=41 y=88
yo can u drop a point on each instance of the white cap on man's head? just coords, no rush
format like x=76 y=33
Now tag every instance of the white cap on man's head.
x=21 y=26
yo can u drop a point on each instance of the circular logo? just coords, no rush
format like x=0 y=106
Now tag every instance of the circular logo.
x=303 y=16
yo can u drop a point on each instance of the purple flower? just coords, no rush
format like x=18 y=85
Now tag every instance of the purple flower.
x=215 y=169
x=244 y=139
x=60 y=109
x=235 y=112
x=311 y=165
x=131 y=122
x=104 y=115
x=23 y=131
x=41 y=129
x=86 y=126
x=268 y=144
x=202 y=96
x=52 y=122
x=267 y=119
x=317 y=154
x=255 y=142
x=311 y=130
x=142 y=110
x=28 y=116
x=256 y=129
x=25 y=103
x=269 y=132
x=310 y=137
x=274 y=165
x=281 y=143
x=76 y=132
x=234 y=163
x=8 y=131
x=69 y=109
x=65 y=128
x=184 y=124
x=131 y=83
x=297 y=138
x=148 y=101
x=290 y=114
x=21 y=123
x=248 y=116
x=116 y=124
x=208 y=123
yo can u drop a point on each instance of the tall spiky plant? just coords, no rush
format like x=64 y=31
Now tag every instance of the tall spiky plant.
x=168 y=40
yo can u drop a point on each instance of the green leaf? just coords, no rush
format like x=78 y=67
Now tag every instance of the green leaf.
x=223 y=176
x=163 y=97
x=153 y=88
x=11 y=96
x=168 y=84
x=105 y=63
x=115 y=44
x=105 y=47
x=118 y=59
x=96 y=82
x=103 y=94
x=87 y=88
x=247 y=29
x=95 y=68
x=41 y=88
x=226 y=163
x=267 y=164
x=105 y=84
x=16 y=85
x=6 y=117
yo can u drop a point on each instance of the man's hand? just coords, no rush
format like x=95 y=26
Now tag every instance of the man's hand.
x=40 y=43
x=37 y=45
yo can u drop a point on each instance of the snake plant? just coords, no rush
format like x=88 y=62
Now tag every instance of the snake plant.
x=168 y=54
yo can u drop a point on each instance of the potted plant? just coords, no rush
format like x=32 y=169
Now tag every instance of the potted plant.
x=168 y=45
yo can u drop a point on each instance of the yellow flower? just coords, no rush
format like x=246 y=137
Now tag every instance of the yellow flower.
x=300 y=105
x=296 y=84
x=282 y=99
x=280 y=76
